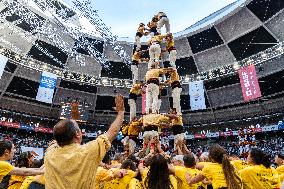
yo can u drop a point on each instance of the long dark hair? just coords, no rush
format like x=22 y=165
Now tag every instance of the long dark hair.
x=260 y=157
x=23 y=160
x=218 y=155
x=5 y=145
x=158 y=176
x=128 y=164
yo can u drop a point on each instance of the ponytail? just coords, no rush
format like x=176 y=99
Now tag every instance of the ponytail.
x=260 y=157
x=232 y=179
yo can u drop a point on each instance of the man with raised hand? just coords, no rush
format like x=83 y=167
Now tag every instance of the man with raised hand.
x=72 y=165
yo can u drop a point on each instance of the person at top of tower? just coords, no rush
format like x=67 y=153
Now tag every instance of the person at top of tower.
x=163 y=20
x=152 y=26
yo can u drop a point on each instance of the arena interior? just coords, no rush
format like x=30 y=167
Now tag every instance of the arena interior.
x=200 y=108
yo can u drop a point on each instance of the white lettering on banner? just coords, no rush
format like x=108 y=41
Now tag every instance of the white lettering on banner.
x=249 y=83
x=46 y=87
x=196 y=93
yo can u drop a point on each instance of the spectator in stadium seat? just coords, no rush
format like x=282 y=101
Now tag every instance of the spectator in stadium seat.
x=7 y=151
x=74 y=165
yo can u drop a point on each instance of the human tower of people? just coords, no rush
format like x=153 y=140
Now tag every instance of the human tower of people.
x=153 y=121
x=68 y=164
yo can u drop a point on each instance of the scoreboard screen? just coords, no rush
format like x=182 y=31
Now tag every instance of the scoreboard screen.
x=74 y=110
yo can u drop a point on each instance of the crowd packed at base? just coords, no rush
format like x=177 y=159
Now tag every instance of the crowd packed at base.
x=68 y=164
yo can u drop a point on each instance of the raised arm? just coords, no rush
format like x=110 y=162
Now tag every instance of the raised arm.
x=193 y=180
x=26 y=171
x=115 y=126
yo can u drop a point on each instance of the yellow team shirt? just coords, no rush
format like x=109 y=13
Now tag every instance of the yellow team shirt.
x=28 y=180
x=280 y=171
x=260 y=177
x=214 y=173
x=5 y=169
x=26 y=183
x=135 y=184
x=103 y=175
x=136 y=56
x=180 y=173
x=154 y=119
x=119 y=183
x=239 y=164
x=170 y=44
x=177 y=121
x=156 y=38
x=174 y=76
x=134 y=128
x=154 y=73
x=136 y=89
x=202 y=164
x=173 y=180
x=74 y=165
x=40 y=179
x=16 y=181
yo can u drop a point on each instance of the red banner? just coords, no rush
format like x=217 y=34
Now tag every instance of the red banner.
x=199 y=135
x=10 y=124
x=249 y=83
x=43 y=130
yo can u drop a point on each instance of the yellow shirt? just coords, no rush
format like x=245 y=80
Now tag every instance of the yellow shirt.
x=177 y=121
x=170 y=44
x=239 y=164
x=40 y=179
x=214 y=173
x=74 y=165
x=136 y=89
x=280 y=171
x=174 y=76
x=180 y=173
x=26 y=183
x=16 y=181
x=154 y=73
x=5 y=169
x=156 y=38
x=135 y=184
x=136 y=56
x=154 y=119
x=260 y=177
x=134 y=128
x=119 y=183
x=203 y=164
x=103 y=175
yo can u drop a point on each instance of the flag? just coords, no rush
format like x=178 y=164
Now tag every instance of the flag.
x=3 y=62
x=46 y=87
x=196 y=93
x=249 y=83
